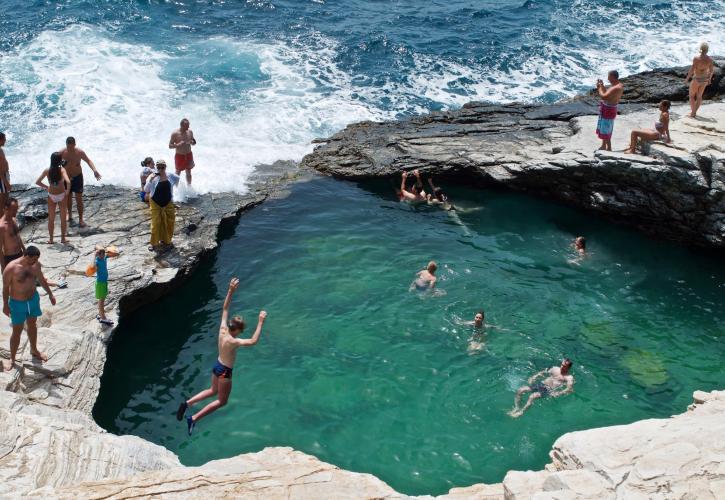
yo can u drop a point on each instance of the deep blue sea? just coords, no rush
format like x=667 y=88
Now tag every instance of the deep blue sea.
x=260 y=78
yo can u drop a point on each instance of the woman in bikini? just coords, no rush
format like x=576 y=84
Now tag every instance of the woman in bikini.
x=57 y=187
x=701 y=73
x=661 y=132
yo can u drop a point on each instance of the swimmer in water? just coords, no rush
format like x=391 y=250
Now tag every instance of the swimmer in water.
x=221 y=373
x=438 y=197
x=580 y=245
x=425 y=279
x=416 y=194
x=476 y=343
x=558 y=383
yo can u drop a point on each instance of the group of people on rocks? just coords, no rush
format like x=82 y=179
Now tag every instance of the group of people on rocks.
x=699 y=76
x=63 y=181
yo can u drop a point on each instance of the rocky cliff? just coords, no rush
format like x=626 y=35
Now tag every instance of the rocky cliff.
x=676 y=191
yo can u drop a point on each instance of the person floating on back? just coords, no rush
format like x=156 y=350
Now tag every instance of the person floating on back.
x=661 y=131
x=425 y=279
x=608 y=108
x=221 y=378
x=701 y=72
x=558 y=383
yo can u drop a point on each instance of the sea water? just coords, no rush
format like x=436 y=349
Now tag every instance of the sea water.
x=259 y=79
x=357 y=370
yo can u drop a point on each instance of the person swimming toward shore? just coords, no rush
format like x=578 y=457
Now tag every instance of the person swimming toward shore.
x=425 y=279
x=416 y=194
x=221 y=373
x=660 y=132
x=558 y=383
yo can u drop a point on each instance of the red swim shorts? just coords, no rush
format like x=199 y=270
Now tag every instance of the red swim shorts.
x=184 y=161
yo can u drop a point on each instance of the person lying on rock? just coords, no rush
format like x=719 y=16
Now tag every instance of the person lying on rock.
x=558 y=383
x=221 y=373
x=416 y=194
x=21 y=301
x=661 y=132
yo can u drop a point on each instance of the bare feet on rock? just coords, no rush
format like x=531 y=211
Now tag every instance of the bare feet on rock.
x=39 y=355
x=7 y=365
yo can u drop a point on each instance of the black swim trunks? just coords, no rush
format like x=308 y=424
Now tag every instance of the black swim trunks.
x=221 y=370
x=541 y=388
x=10 y=258
x=76 y=184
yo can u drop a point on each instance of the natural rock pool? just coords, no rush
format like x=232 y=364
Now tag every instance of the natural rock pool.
x=358 y=371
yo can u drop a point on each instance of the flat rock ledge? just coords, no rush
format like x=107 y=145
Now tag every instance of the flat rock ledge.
x=676 y=191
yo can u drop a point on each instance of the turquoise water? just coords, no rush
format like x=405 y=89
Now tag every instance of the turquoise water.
x=358 y=371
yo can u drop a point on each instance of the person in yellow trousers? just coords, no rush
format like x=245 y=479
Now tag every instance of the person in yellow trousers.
x=160 y=187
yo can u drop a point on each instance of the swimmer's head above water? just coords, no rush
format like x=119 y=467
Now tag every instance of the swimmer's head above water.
x=580 y=243
x=431 y=267
x=236 y=325
x=479 y=318
x=566 y=365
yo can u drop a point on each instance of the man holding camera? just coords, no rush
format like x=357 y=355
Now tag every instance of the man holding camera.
x=608 y=108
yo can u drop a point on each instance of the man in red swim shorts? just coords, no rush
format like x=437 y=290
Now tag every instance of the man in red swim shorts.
x=181 y=140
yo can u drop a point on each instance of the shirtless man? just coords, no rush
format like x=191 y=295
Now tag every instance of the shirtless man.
x=21 y=301
x=181 y=140
x=701 y=73
x=608 y=108
x=11 y=245
x=416 y=194
x=558 y=383
x=73 y=156
x=4 y=175
x=425 y=279
x=221 y=373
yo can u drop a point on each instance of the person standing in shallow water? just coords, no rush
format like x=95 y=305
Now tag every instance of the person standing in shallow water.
x=181 y=140
x=73 y=156
x=558 y=383
x=701 y=73
x=221 y=373
x=608 y=108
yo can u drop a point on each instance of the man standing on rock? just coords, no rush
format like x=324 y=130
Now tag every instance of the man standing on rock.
x=608 y=108
x=4 y=175
x=73 y=156
x=21 y=301
x=11 y=245
x=221 y=373
x=558 y=383
x=181 y=140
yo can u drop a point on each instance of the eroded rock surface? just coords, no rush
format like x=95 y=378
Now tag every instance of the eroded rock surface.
x=677 y=191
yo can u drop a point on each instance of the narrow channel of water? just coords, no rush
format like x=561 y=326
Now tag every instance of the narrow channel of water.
x=362 y=373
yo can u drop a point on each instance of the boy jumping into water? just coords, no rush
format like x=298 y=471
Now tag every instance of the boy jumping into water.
x=221 y=378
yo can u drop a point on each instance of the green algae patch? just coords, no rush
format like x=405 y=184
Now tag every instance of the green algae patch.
x=646 y=368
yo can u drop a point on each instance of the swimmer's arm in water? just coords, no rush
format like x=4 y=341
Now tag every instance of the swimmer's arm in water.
x=567 y=390
x=536 y=375
x=257 y=332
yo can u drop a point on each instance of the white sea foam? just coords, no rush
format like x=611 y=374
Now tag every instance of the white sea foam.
x=114 y=98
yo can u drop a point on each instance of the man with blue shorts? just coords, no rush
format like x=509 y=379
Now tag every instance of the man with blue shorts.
x=221 y=372
x=21 y=301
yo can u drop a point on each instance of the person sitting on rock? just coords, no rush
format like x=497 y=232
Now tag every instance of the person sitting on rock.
x=661 y=132
x=416 y=194
x=221 y=373
x=558 y=383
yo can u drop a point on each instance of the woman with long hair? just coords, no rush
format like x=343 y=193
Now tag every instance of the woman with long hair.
x=57 y=187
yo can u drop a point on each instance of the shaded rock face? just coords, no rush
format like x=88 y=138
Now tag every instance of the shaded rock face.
x=676 y=192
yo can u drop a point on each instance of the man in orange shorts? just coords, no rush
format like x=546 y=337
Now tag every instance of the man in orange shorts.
x=181 y=140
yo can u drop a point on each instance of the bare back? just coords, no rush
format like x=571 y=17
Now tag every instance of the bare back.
x=227 y=347
x=556 y=378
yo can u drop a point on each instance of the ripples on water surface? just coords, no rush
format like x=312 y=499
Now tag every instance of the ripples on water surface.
x=260 y=79
x=356 y=370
